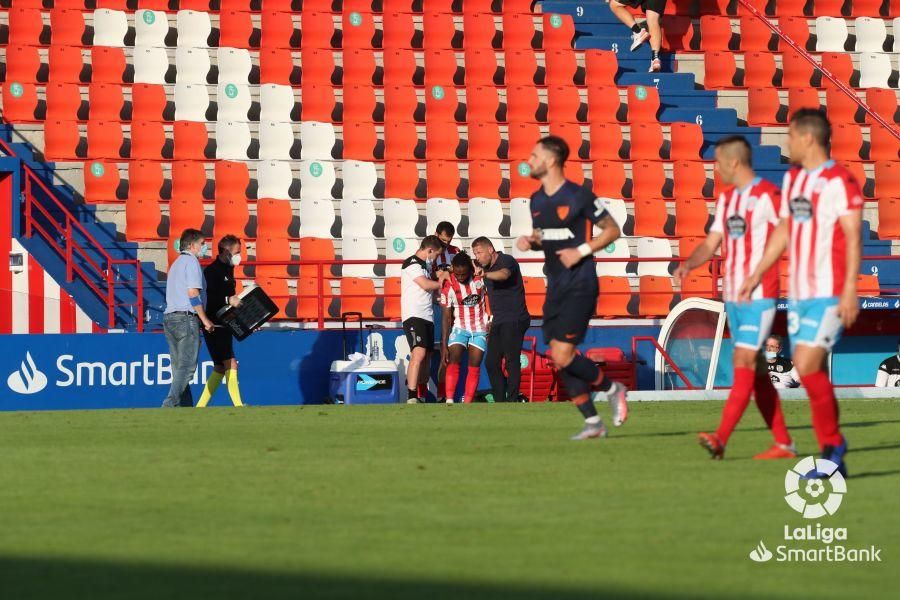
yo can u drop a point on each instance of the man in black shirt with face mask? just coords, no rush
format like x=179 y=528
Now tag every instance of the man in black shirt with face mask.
x=220 y=292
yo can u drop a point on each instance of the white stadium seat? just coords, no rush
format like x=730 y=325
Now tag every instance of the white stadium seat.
x=151 y=65
x=234 y=101
x=191 y=101
x=359 y=248
x=276 y=102
x=618 y=249
x=316 y=217
x=234 y=65
x=870 y=34
x=400 y=218
x=895 y=28
x=485 y=217
x=110 y=27
x=360 y=178
x=520 y=217
x=192 y=65
x=317 y=140
x=194 y=28
x=275 y=140
x=317 y=179
x=831 y=34
x=653 y=248
x=357 y=217
x=442 y=209
x=529 y=269
x=398 y=248
x=274 y=178
x=151 y=28
x=875 y=70
x=232 y=140
x=616 y=209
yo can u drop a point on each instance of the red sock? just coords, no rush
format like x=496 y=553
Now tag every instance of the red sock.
x=451 y=378
x=736 y=403
x=769 y=405
x=824 y=409
x=472 y=376
x=422 y=389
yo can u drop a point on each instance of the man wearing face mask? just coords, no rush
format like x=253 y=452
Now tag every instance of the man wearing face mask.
x=184 y=313
x=781 y=369
x=220 y=292
x=889 y=371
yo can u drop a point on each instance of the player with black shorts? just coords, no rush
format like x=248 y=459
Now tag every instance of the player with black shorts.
x=563 y=217
x=653 y=9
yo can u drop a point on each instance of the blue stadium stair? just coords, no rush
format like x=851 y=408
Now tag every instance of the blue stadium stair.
x=106 y=236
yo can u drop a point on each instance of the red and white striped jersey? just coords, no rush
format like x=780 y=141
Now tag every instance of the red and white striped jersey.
x=746 y=218
x=814 y=201
x=443 y=260
x=469 y=301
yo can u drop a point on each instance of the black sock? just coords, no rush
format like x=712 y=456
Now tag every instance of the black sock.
x=654 y=55
x=413 y=394
x=584 y=368
x=605 y=385
x=588 y=409
x=636 y=28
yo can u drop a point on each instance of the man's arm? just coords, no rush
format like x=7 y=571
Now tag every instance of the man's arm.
x=778 y=243
x=198 y=308
x=498 y=275
x=446 y=322
x=610 y=233
x=881 y=376
x=529 y=242
x=699 y=256
x=848 y=307
x=430 y=285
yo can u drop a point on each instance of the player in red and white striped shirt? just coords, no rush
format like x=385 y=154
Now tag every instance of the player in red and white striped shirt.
x=746 y=215
x=821 y=223
x=465 y=325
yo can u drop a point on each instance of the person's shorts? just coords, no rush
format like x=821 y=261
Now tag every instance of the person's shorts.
x=220 y=344
x=464 y=337
x=567 y=319
x=750 y=322
x=657 y=6
x=814 y=322
x=419 y=333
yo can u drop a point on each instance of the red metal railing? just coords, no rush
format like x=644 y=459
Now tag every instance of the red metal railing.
x=845 y=89
x=663 y=353
x=101 y=279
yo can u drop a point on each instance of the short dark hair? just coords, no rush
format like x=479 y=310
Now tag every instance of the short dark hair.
x=778 y=339
x=483 y=241
x=445 y=227
x=556 y=146
x=740 y=147
x=189 y=236
x=814 y=122
x=227 y=241
x=431 y=241
x=461 y=259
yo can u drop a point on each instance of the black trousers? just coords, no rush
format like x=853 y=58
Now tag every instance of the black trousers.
x=505 y=341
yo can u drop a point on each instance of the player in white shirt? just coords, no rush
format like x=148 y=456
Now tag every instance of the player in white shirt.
x=821 y=221
x=781 y=369
x=746 y=215
x=416 y=297
x=888 y=374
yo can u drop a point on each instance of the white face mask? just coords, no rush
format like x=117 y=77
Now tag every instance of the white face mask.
x=771 y=355
x=235 y=260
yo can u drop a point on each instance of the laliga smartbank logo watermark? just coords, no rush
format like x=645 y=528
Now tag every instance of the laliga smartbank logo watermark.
x=815 y=488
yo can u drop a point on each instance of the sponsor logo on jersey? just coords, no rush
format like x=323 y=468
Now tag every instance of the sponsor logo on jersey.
x=801 y=209
x=557 y=234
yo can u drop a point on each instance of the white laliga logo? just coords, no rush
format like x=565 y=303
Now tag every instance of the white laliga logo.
x=28 y=379
x=813 y=508
x=760 y=553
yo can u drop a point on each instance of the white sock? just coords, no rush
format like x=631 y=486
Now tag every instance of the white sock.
x=593 y=420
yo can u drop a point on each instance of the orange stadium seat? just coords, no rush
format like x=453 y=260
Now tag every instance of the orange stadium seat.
x=105 y=140
x=802 y=98
x=697 y=286
x=67 y=26
x=359 y=67
x=277 y=289
x=764 y=106
x=442 y=140
x=686 y=141
x=838 y=64
x=887 y=179
x=142 y=219
x=883 y=102
x=482 y=104
x=148 y=140
x=759 y=69
x=23 y=64
x=521 y=185
x=272 y=249
x=359 y=104
x=614 y=298
x=564 y=105
x=795 y=27
x=401 y=179
x=518 y=31
x=26 y=27
x=106 y=102
x=559 y=32
x=521 y=67
x=601 y=67
x=360 y=141
x=846 y=141
x=755 y=34
x=440 y=32
x=796 y=71
x=523 y=105
x=646 y=141
x=231 y=215
x=400 y=30
x=392 y=298
x=606 y=141
x=107 y=64
x=715 y=32
x=278 y=30
x=441 y=104
x=480 y=31
x=609 y=179
x=148 y=102
x=571 y=133
x=101 y=181
x=308 y=301
x=719 y=70
x=522 y=138
x=318 y=102
x=884 y=146
x=312 y=249
x=643 y=104
x=481 y=66
x=889 y=218
x=400 y=67
x=64 y=102
x=317 y=66
x=648 y=178
x=145 y=179
x=276 y=65
x=840 y=108
x=655 y=295
x=485 y=179
x=400 y=140
x=535 y=291
x=561 y=68
x=442 y=179
x=691 y=216
x=191 y=141
x=185 y=212
x=358 y=29
x=20 y=101
x=358 y=295
x=650 y=217
x=317 y=30
x=273 y=218
x=402 y=104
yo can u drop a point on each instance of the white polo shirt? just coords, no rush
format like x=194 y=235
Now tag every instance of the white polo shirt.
x=414 y=301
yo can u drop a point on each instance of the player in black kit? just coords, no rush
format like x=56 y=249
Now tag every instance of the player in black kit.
x=563 y=218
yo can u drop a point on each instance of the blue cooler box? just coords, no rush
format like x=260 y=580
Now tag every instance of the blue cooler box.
x=378 y=382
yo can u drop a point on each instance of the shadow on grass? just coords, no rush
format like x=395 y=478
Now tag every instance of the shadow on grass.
x=39 y=579
x=792 y=427
x=873 y=474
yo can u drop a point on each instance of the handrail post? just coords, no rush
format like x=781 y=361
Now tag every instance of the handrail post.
x=69 y=257
x=140 y=298
x=110 y=297
x=28 y=200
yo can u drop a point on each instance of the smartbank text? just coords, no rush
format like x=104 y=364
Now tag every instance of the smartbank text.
x=150 y=370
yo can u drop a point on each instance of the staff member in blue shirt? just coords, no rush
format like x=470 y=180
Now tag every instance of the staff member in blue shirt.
x=183 y=315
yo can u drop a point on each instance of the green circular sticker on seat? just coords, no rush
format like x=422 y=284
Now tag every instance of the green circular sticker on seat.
x=399 y=245
x=640 y=92
x=231 y=90
x=437 y=92
x=149 y=17
x=555 y=21
x=523 y=361
x=177 y=245
x=16 y=90
x=610 y=249
x=97 y=169
x=315 y=169
x=355 y=19
x=523 y=169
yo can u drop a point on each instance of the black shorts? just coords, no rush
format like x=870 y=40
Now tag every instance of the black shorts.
x=419 y=333
x=220 y=344
x=567 y=319
x=657 y=6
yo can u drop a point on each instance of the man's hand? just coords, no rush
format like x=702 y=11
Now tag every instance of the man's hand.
x=848 y=307
x=524 y=242
x=479 y=270
x=445 y=355
x=208 y=325
x=443 y=275
x=569 y=257
x=681 y=273
x=234 y=301
x=746 y=291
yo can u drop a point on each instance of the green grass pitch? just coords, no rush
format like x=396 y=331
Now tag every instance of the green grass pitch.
x=425 y=503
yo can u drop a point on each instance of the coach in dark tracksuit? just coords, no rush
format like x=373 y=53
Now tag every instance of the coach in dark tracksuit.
x=510 y=321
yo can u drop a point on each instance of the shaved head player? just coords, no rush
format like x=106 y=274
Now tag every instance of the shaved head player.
x=563 y=218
